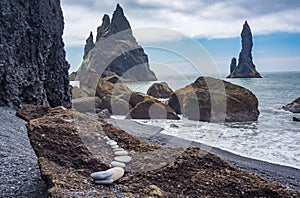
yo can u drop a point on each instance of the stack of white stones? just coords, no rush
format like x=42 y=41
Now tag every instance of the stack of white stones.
x=118 y=164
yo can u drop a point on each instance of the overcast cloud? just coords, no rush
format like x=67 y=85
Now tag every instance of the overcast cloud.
x=194 y=18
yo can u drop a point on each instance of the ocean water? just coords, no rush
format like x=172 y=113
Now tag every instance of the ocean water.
x=274 y=137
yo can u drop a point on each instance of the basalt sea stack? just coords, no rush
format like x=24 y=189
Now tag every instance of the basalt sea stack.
x=245 y=67
x=115 y=52
x=33 y=69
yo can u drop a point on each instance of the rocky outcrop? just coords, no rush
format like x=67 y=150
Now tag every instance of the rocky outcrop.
x=212 y=100
x=232 y=65
x=116 y=52
x=33 y=69
x=293 y=107
x=69 y=148
x=245 y=67
x=89 y=45
x=152 y=109
x=160 y=90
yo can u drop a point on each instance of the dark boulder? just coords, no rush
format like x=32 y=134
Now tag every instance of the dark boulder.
x=212 y=100
x=33 y=68
x=152 y=109
x=293 y=107
x=295 y=119
x=245 y=67
x=160 y=90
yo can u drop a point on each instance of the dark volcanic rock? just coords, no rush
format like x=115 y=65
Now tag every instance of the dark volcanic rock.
x=245 y=67
x=212 y=100
x=89 y=45
x=295 y=119
x=33 y=69
x=116 y=52
x=293 y=107
x=232 y=64
x=160 y=90
x=101 y=30
x=152 y=109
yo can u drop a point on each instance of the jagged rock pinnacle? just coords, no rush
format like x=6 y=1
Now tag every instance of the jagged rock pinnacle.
x=245 y=67
x=119 y=22
x=89 y=45
x=233 y=64
x=101 y=30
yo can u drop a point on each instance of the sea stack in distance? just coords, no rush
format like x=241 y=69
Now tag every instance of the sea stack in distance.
x=245 y=67
x=115 y=52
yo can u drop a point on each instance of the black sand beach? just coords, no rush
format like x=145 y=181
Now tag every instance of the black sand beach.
x=20 y=176
x=19 y=170
x=288 y=176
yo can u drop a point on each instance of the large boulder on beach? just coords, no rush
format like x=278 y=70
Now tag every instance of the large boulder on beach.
x=293 y=107
x=152 y=109
x=212 y=100
x=105 y=88
x=160 y=90
x=33 y=68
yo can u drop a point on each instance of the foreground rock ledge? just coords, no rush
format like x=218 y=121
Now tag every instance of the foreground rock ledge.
x=68 y=147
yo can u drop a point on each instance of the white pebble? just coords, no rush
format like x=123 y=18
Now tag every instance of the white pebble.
x=121 y=153
x=114 y=146
x=104 y=181
x=102 y=174
x=117 y=164
x=124 y=159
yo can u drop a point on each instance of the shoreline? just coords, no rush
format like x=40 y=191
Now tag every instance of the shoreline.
x=286 y=175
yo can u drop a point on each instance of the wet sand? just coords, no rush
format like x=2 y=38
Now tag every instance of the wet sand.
x=285 y=175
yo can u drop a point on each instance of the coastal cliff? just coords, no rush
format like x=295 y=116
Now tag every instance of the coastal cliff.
x=245 y=67
x=115 y=52
x=33 y=69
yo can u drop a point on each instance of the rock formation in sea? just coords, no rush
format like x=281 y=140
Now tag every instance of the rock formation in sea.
x=293 y=107
x=245 y=67
x=212 y=100
x=33 y=68
x=116 y=52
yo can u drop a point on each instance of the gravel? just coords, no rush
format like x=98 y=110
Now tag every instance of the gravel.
x=19 y=170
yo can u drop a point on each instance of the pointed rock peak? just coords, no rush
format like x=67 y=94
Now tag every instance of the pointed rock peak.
x=103 y=29
x=119 y=22
x=246 y=28
x=119 y=8
x=89 y=45
x=105 y=21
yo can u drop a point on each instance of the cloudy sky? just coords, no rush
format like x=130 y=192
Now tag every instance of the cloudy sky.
x=215 y=24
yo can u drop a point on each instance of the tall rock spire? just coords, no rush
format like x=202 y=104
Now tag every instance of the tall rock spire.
x=101 y=30
x=245 y=67
x=89 y=45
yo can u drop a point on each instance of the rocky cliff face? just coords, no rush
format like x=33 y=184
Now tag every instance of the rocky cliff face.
x=116 y=51
x=33 y=69
x=245 y=67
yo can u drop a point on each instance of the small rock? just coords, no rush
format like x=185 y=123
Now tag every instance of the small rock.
x=106 y=138
x=174 y=126
x=114 y=146
x=102 y=174
x=121 y=153
x=111 y=143
x=124 y=159
x=118 y=149
x=118 y=173
x=104 y=181
x=117 y=164
x=295 y=119
x=104 y=114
